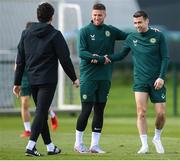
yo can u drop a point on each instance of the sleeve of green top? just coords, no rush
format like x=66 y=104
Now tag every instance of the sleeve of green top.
x=117 y=56
x=122 y=54
x=164 y=56
x=120 y=35
x=83 y=47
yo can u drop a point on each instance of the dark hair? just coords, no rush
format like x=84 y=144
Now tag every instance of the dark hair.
x=45 y=12
x=99 y=6
x=141 y=14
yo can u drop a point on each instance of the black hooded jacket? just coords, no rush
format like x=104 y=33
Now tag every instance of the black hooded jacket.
x=40 y=48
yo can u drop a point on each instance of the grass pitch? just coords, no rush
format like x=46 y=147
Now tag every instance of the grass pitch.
x=119 y=138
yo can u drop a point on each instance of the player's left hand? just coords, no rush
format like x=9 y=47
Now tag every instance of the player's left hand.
x=158 y=84
x=107 y=60
x=16 y=90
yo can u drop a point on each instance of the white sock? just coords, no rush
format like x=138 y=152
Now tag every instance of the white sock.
x=79 y=137
x=52 y=114
x=27 y=126
x=30 y=145
x=50 y=147
x=144 y=140
x=95 y=137
x=157 y=134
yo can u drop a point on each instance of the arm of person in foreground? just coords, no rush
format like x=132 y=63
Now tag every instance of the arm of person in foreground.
x=20 y=61
x=63 y=55
x=19 y=66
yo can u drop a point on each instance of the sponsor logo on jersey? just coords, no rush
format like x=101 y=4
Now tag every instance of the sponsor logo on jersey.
x=135 y=42
x=84 y=96
x=107 y=33
x=92 y=37
x=163 y=96
x=153 y=40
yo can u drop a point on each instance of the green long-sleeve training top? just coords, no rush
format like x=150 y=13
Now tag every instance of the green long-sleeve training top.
x=149 y=53
x=97 y=40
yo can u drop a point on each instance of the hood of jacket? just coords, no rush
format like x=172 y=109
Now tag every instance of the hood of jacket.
x=40 y=29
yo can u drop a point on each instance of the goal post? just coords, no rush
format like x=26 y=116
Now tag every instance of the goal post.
x=71 y=36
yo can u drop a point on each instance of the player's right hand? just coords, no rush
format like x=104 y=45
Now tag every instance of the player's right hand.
x=76 y=83
x=94 y=61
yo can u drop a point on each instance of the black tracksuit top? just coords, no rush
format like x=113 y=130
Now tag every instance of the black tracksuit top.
x=40 y=48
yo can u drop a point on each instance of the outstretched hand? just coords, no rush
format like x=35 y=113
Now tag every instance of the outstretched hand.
x=107 y=60
x=76 y=83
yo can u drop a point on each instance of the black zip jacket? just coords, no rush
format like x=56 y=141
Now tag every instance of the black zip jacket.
x=40 y=48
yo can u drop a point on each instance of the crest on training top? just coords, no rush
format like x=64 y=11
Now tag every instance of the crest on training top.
x=107 y=33
x=152 y=40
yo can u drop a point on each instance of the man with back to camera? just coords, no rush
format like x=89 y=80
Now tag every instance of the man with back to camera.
x=40 y=48
x=25 y=95
x=150 y=58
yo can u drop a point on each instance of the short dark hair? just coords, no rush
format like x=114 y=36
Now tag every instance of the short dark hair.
x=45 y=12
x=141 y=14
x=99 y=6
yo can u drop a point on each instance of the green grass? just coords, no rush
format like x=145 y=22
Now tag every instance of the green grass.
x=121 y=101
x=119 y=138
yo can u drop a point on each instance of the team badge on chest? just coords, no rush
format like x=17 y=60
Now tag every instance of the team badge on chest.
x=107 y=33
x=153 y=40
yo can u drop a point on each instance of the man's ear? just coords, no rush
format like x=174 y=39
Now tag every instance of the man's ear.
x=49 y=22
x=147 y=20
x=104 y=14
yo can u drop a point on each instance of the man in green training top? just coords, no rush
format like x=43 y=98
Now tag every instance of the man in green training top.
x=150 y=59
x=96 y=39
